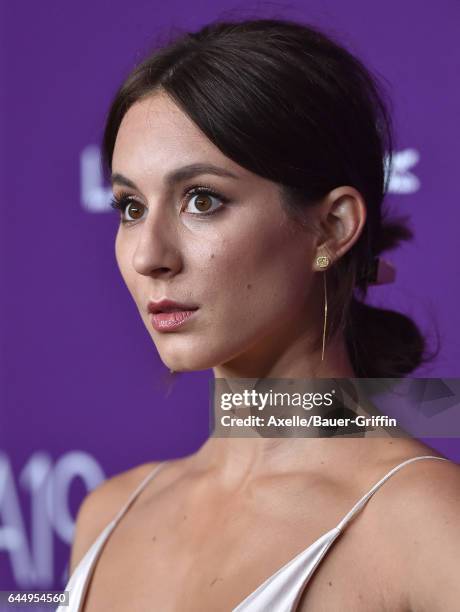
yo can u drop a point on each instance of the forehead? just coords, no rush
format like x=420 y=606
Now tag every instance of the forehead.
x=156 y=133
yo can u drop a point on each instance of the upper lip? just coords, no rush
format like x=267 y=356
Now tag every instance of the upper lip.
x=166 y=305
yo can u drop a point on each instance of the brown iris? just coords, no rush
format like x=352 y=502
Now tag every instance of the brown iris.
x=137 y=209
x=203 y=202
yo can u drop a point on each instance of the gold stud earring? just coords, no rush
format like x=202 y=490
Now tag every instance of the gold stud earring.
x=322 y=261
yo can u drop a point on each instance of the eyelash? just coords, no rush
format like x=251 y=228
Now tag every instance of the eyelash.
x=125 y=199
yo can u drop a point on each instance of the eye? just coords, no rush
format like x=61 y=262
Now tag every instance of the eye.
x=124 y=202
x=201 y=198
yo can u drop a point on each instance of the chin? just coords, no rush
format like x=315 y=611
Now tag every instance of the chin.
x=192 y=354
x=192 y=360
x=185 y=364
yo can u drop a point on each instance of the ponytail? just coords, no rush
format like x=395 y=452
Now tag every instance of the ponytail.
x=383 y=343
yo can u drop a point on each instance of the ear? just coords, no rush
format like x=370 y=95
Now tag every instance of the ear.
x=342 y=215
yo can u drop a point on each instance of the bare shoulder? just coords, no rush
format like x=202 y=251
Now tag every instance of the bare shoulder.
x=426 y=485
x=101 y=505
x=423 y=509
x=423 y=490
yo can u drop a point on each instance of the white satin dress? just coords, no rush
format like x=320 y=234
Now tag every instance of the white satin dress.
x=281 y=592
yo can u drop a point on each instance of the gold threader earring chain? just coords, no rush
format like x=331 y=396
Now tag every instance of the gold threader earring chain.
x=322 y=261
x=325 y=317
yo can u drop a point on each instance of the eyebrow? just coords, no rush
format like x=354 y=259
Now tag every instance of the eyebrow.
x=178 y=175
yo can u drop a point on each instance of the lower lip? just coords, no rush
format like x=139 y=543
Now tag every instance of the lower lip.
x=168 y=321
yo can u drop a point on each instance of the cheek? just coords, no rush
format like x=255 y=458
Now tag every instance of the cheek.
x=119 y=254
x=259 y=276
x=123 y=260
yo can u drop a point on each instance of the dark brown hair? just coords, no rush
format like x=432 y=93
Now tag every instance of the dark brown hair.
x=287 y=102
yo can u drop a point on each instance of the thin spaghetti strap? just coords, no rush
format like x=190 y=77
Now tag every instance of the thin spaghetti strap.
x=357 y=507
x=138 y=490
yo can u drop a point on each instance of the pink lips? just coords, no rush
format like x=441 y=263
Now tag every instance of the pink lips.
x=168 y=315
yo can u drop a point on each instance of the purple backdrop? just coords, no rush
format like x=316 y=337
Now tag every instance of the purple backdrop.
x=73 y=409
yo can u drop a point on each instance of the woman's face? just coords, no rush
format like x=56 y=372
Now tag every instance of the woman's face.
x=246 y=266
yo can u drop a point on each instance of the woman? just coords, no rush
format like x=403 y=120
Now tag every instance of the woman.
x=248 y=162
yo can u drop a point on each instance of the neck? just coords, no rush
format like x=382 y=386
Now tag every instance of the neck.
x=236 y=460
x=292 y=362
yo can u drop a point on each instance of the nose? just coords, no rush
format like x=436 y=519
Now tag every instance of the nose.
x=157 y=252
